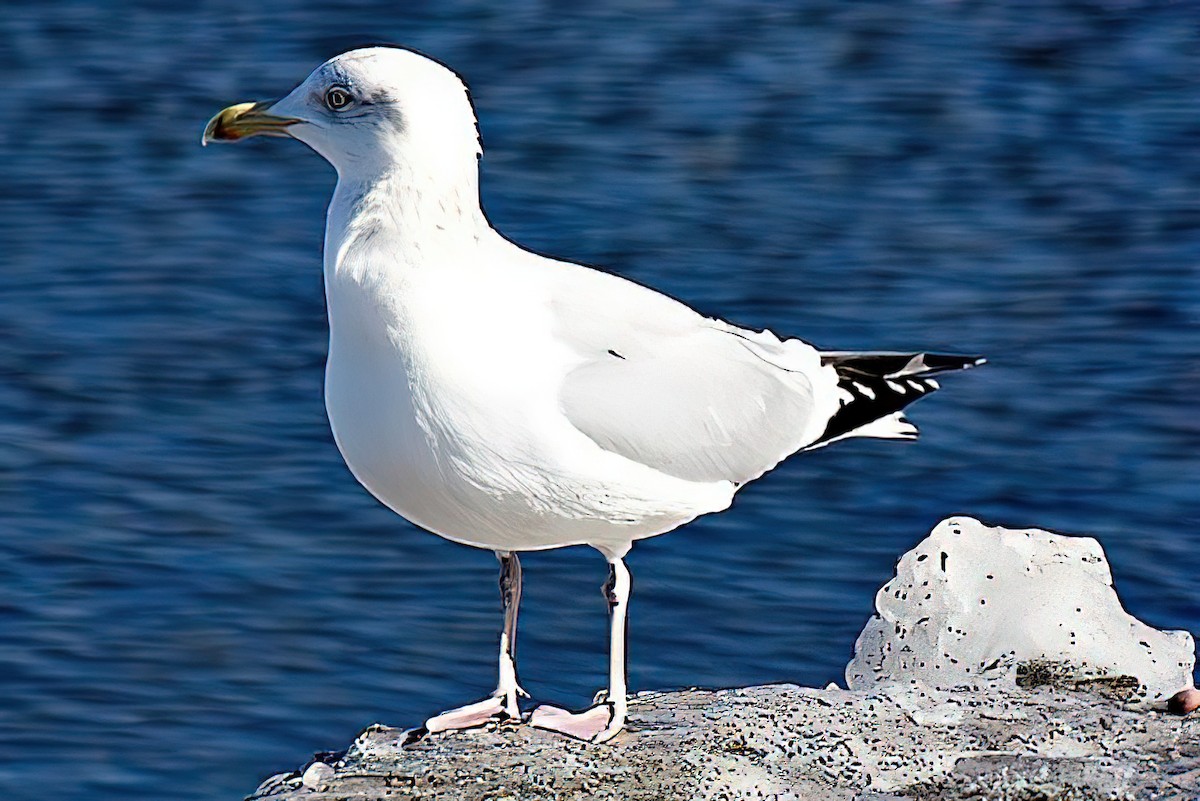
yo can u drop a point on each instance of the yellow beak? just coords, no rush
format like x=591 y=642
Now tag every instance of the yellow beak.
x=245 y=120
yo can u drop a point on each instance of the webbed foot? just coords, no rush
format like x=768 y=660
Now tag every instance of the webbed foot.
x=596 y=724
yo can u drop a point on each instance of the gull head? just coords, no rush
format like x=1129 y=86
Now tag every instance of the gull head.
x=368 y=111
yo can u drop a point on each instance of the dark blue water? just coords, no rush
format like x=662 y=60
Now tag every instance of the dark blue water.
x=194 y=593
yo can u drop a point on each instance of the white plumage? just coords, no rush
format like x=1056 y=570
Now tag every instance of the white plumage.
x=515 y=402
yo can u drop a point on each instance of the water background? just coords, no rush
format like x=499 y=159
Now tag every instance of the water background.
x=194 y=592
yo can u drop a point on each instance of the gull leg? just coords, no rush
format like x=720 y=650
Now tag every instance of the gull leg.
x=504 y=703
x=510 y=592
x=603 y=721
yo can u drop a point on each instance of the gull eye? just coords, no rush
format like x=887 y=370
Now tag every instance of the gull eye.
x=338 y=97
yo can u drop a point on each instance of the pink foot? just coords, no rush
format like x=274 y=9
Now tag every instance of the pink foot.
x=595 y=724
x=489 y=710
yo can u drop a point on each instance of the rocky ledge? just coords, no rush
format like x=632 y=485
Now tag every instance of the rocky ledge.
x=786 y=742
x=999 y=667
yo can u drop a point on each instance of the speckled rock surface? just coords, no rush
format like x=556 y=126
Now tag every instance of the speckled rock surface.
x=1000 y=666
x=788 y=743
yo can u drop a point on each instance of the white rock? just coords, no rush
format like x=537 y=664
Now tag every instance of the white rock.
x=973 y=602
x=317 y=776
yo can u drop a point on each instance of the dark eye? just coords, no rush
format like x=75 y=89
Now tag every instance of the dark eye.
x=338 y=97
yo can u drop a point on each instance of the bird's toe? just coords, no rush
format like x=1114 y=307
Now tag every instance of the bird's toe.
x=596 y=724
x=490 y=710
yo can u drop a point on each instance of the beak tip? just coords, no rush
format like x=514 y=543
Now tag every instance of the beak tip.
x=213 y=133
x=213 y=130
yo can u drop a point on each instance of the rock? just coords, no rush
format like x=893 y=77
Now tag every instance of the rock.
x=317 y=776
x=1000 y=666
x=974 y=602
x=996 y=743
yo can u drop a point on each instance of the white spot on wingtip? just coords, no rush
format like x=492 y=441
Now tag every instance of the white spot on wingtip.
x=896 y=386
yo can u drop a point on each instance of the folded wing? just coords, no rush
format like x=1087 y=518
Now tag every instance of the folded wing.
x=703 y=400
x=708 y=403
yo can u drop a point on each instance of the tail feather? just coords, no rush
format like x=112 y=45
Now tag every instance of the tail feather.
x=877 y=386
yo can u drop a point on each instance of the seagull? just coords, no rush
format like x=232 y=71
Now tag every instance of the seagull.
x=507 y=400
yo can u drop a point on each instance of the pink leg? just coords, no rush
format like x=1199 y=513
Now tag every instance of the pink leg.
x=504 y=704
x=603 y=721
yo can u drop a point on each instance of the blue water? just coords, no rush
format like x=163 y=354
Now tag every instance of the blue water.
x=194 y=592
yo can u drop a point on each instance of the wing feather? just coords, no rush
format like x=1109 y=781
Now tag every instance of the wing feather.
x=692 y=397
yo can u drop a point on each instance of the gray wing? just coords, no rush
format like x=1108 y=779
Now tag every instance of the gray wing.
x=691 y=397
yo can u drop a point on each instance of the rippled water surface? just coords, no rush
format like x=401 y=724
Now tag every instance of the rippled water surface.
x=194 y=592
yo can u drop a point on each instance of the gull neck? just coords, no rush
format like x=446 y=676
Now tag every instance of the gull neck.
x=429 y=215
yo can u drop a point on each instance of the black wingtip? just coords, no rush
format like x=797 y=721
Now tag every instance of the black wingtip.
x=894 y=365
x=944 y=362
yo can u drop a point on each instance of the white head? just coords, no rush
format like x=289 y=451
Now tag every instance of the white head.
x=369 y=111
